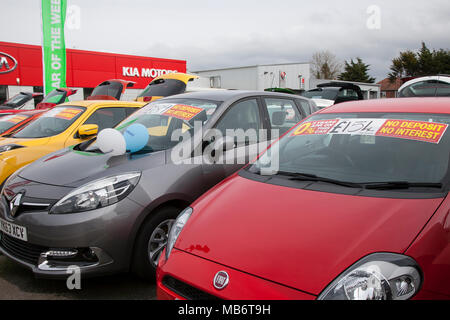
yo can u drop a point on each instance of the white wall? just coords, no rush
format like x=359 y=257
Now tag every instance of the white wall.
x=130 y=94
x=77 y=96
x=261 y=77
x=269 y=76
x=237 y=78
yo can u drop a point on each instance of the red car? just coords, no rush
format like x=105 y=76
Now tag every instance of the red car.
x=352 y=203
x=14 y=122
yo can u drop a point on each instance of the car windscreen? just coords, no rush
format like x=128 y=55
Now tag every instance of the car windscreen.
x=164 y=118
x=164 y=88
x=51 y=123
x=10 y=121
x=429 y=88
x=329 y=94
x=365 y=148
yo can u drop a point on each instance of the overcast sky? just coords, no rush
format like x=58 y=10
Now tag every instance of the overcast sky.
x=226 y=33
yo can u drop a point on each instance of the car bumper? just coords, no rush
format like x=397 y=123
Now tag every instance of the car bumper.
x=105 y=236
x=186 y=276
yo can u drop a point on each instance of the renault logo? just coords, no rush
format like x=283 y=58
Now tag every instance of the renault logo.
x=14 y=204
x=221 y=280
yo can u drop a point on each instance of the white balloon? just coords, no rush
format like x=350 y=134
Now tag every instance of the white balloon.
x=111 y=141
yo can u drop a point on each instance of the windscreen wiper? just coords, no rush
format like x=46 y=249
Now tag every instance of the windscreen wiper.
x=389 y=185
x=298 y=176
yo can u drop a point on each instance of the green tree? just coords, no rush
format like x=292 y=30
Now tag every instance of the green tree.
x=422 y=62
x=356 y=71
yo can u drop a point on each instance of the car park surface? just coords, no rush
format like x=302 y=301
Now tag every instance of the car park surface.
x=358 y=209
x=17 y=283
x=148 y=188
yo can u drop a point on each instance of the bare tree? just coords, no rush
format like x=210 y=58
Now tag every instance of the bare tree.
x=325 y=65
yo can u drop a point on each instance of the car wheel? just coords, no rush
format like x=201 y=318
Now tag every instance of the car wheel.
x=151 y=241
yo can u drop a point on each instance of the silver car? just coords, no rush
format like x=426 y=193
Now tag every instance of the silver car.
x=106 y=214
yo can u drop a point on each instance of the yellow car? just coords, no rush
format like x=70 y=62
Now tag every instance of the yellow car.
x=63 y=126
x=166 y=85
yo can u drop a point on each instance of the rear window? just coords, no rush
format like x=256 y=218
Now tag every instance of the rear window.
x=328 y=94
x=164 y=88
x=55 y=96
x=429 y=88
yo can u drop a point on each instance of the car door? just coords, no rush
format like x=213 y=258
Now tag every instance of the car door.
x=243 y=116
x=106 y=117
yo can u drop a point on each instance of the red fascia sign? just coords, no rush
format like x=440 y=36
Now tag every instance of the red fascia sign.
x=85 y=69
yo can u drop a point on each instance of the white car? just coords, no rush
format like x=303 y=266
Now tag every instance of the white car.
x=432 y=86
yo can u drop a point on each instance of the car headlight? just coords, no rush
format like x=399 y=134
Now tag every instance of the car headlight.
x=97 y=194
x=12 y=177
x=175 y=231
x=8 y=147
x=379 y=276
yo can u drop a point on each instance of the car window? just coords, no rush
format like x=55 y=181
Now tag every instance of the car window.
x=51 y=123
x=54 y=97
x=163 y=88
x=12 y=120
x=368 y=148
x=427 y=88
x=107 y=117
x=283 y=113
x=242 y=115
x=164 y=119
x=306 y=106
x=348 y=93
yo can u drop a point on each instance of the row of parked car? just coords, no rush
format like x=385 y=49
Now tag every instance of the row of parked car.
x=350 y=203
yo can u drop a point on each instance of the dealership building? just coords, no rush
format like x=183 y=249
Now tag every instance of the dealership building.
x=21 y=70
x=295 y=76
x=259 y=77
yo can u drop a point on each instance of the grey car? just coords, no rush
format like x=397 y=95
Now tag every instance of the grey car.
x=106 y=214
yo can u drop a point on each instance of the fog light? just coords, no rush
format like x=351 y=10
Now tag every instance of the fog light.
x=61 y=253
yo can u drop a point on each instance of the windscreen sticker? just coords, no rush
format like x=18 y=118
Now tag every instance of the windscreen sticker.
x=68 y=113
x=14 y=118
x=405 y=129
x=183 y=112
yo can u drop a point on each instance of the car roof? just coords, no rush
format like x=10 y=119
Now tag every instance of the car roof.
x=443 y=78
x=223 y=95
x=400 y=105
x=92 y=103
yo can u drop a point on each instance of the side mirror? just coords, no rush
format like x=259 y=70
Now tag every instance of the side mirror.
x=87 y=130
x=278 y=118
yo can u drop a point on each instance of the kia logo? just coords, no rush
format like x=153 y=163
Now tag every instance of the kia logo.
x=221 y=280
x=7 y=63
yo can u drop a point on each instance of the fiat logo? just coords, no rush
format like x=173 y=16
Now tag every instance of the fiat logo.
x=221 y=280
x=7 y=63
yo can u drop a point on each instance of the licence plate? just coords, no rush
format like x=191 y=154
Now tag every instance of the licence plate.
x=13 y=230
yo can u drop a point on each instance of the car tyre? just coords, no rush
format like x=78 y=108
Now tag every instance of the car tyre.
x=151 y=241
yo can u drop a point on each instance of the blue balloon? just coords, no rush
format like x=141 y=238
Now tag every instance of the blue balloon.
x=136 y=137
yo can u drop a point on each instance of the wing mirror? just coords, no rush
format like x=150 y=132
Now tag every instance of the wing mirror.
x=87 y=130
x=278 y=118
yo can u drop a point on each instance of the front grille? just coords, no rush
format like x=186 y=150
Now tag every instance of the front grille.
x=21 y=250
x=185 y=290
